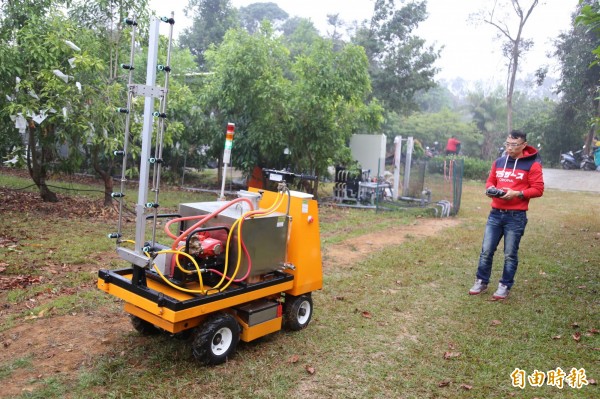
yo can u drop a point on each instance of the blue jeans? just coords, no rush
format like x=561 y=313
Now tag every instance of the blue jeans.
x=511 y=226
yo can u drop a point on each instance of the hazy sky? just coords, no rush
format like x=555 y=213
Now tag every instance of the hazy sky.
x=470 y=51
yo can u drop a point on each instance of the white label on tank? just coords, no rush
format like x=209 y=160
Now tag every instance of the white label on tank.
x=280 y=221
x=304 y=206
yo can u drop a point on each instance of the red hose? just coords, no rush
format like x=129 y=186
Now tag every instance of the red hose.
x=200 y=222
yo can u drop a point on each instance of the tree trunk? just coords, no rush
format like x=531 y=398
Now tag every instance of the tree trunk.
x=316 y=189
x=515 y=52
x=593 y=132
x=36 y=165
x=514 y=65
x=108 y=187
x=106 y=178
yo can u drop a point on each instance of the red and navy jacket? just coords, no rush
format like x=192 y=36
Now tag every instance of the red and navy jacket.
x=521 y=174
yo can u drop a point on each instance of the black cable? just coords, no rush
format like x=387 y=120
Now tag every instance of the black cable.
x=72 y=189
x=61 y=188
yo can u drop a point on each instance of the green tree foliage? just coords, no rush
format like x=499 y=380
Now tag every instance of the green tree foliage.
x=514 y=45
x=488 y=112
x=298 y=35
x=431 y=128
x=436 y=99
x=310 y=105
x=570 y=122
x=589 y=18
x=247 y=87
x=252 y=15
x=110 y=41
x=210 y=21
x=43 y=62
x=13 y=15
x=535 y=116
x=400 y=63
x=328 y=104
x=16 y=13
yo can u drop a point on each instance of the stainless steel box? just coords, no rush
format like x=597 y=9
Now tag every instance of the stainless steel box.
x=265 y=237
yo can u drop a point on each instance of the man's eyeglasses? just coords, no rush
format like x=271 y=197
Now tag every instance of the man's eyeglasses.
x=507 y=144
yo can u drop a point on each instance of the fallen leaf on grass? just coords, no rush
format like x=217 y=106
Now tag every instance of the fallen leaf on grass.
x=366 y=315
x=593 y=331
x=12 y=282
x=495 y=323
x=310 y=369
x=450 y=355
x=575 y=325
x=466 y=387
x=444 y=383
x=294 y=359
x=557 y=337
x=592 y=381
x=577 y=336
x=339 y=298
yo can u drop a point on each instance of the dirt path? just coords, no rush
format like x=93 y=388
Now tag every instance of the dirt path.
x=349 y=251
x=57 y=346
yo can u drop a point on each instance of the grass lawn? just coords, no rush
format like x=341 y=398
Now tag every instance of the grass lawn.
x=397 y=324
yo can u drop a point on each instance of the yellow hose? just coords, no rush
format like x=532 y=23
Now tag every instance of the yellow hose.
x=179 y=264
x=172 y=251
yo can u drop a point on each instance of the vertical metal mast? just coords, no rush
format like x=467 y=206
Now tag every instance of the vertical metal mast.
x=121 y=194
x=140 y=229
x=161 y=114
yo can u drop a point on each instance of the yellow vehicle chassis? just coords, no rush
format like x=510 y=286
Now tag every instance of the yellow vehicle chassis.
x=175 y=311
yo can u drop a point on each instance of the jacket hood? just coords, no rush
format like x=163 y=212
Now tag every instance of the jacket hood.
x=529 y=152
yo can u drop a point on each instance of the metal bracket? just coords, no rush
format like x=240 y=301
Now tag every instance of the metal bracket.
x=147 y=91
x=133 y=257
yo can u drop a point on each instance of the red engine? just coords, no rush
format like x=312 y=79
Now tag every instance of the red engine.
x=209 y=246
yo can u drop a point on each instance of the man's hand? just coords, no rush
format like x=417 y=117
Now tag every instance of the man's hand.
x=510 y=194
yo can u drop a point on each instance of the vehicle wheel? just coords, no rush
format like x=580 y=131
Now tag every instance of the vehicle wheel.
x=144 y=327
x=215 y=340
x=587 y=166
x=298 y=311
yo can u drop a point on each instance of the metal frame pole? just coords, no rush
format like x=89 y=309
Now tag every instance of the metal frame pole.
x=140 y=229
x=407 y=165
x=397 y=157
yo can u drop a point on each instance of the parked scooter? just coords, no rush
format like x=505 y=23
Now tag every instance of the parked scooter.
x=577 y=160
x=571 y=160
x=587 y=163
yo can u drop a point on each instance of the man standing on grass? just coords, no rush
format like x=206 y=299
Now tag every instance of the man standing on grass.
x=518 y=174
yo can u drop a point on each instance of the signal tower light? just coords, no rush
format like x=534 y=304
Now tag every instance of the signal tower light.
x=227 y=156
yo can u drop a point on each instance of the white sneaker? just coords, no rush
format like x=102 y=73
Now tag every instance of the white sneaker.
x=502 y=292
x=478 y=287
